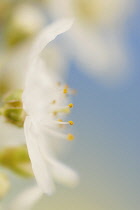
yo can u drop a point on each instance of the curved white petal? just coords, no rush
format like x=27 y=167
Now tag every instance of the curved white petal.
x=59 y=171
x=38 y=78
x=63 y=174
x=26 y=199
x=39 y=166
x=50 y=33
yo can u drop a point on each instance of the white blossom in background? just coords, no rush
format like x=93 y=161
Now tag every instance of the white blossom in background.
x=97 y=37
x=27 y=17
x=26 y=199
x=45 y=101
x=25 y=22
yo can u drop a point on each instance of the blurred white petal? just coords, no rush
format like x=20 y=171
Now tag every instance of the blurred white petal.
x=97 y=37
x=28 y=17
x=26 y=199
x=103 y=57
x=63 y=174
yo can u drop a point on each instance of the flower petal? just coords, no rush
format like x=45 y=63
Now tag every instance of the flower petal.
x=63 y=174
x=59 y=171
x=38 y=78
x=50 y=33
x=39 y=165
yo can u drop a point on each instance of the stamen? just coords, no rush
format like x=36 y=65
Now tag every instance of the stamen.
x=65 y=109
x=71 y=105
x=70 y=137
x=54 y=123
x=65 y=90
x=64 y=123
x=60 y=125
x=71 y=122
x=61 y=122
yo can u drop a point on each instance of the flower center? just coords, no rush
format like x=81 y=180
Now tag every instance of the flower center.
x=58 y=110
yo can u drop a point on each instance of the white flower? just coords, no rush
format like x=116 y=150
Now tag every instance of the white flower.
x=26 y=20
x=44 y=100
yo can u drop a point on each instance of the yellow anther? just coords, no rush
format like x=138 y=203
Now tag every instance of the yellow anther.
x=71 y=105
x=71 y=122
x=65 y=90
x=60 y=120
x=70 y=137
